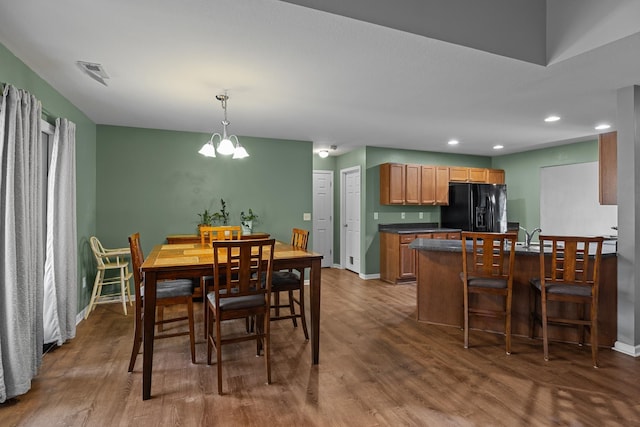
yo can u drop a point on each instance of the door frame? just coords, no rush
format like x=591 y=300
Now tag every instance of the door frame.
x=331 y=220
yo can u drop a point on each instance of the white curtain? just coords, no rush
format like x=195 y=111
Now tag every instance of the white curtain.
x=61 y=275
x=22 y=195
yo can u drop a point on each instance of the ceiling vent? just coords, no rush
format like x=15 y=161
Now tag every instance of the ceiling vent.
x=93 y=70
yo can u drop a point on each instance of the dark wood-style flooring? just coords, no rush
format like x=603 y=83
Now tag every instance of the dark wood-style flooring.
x=378 y=367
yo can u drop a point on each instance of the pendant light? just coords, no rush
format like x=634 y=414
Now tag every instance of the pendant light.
x=226 y=145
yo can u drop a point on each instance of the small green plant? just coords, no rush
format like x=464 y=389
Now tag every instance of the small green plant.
x=250 y=216
x=206 y=217
x=222 y=216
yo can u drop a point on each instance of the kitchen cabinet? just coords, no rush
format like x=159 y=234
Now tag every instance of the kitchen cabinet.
x=495 y=176
x=392 y=184
x=434 y=185
x=412 y=185
x=466 y=174
x=608 y=168
x=397 y=260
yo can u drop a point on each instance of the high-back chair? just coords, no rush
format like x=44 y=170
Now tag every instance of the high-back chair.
x=242 y=289
x=168 y=292
x=114 y=260
x=291 y=281
x=209 y=235
x=568 y=274
x=487 y=269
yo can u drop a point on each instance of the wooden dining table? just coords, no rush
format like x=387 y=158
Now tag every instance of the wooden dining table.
x=193 y=260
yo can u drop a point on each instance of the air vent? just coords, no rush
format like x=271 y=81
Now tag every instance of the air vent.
x=94 y=70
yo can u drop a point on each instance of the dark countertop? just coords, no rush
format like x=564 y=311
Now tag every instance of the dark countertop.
x=608 y=248
x=415 y=228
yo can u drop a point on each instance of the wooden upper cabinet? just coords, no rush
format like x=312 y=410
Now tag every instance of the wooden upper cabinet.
x=608 y=168
x=435 y=185
x=412 y=185
x=458 y=173
x=478 y=175
x=392 y=184
x=495 y=176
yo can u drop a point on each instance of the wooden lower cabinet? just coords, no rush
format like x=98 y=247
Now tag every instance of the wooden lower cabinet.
x=397 y=260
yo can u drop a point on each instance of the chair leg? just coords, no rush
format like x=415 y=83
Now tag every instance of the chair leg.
x=137 y=337
x=507 y=327
x=160 y=317
x=219 y=354
x=123 y=292
x=276 y=301
x=97 y=287
x=545 y=335
x=266 y=338
x=581 y=328
x=466 y=317
x=209 y=332
x=303 y=317
x=192 y=335
x=292 y=310
x=533 y=295
x=593 y=330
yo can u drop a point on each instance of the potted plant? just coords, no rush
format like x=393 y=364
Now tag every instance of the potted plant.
x=222 y=216
x=206 y=218
x=246 y=221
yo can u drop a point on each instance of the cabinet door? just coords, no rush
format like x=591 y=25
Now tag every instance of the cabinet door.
x=412 y=185
x=392 y=184
x=478 y=175
x=495 y=176
x=442 y=186
x=428 y=190
x=457 y=173
x=407 y=261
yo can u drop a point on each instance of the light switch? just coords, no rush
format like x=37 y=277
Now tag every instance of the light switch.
x=306 y=216
x=375 y=215
x=421 y=215
x=402 y=215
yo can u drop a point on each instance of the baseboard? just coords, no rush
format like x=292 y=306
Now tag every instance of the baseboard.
x=369 y=276
x=627 y=349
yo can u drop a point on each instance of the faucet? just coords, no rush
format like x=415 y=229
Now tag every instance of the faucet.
x=529 y=236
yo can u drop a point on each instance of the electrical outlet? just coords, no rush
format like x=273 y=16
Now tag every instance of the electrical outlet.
x=84 y=282
x=306 y=216
x=421 y=215
x=402 y=215
x=375 y=215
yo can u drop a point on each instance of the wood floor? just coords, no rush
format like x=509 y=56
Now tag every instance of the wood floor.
x=378 y=367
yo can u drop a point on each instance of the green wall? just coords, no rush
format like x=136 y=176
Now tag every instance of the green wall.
x=155 y=182
x=15 y=72
x=522 y=175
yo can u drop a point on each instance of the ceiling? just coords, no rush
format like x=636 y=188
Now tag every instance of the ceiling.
x=362 y=79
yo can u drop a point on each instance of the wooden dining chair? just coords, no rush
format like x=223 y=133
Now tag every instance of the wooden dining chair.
x=569 y=274
x=242 y=289
x=114 y=261
x=207 y=236
x=487 y=269
x=291 y=281
x=168 y=292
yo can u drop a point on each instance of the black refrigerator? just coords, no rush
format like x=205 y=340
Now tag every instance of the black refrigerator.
x=476 y=207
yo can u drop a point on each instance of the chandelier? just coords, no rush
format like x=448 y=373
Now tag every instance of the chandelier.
x=226 y=145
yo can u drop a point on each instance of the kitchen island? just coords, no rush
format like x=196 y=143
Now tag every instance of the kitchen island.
x=440 y=293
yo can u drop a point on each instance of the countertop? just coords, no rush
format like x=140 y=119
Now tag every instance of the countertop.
x=608 y=248
x=415 y=228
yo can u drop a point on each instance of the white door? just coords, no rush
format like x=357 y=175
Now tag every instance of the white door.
x=323 y=215
x=350 y=245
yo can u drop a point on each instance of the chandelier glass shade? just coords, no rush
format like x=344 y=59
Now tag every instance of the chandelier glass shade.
x=226 y=145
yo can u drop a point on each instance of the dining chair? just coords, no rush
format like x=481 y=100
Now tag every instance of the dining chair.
x=209 y=235
x=109 y=260
x=291 y=281
x=168 y=292
x=487 y=270
x=569 y=273
x=242 y=289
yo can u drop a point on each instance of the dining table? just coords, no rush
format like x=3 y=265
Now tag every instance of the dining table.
x=194 y=260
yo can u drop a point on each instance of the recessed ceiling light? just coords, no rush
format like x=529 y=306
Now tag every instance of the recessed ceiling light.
x=498 y=147
x=603 y=126
x=552 y=119
x=453 y=142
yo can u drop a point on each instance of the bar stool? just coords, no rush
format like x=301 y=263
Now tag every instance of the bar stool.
x=484 y=271
x=569 y=275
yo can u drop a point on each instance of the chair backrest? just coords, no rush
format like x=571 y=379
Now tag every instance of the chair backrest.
x=487 y=257
x=137 y=259
x=101 y=254
x=242 y=267
x=574 y=260
x=300 y=238
x=222 y=232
